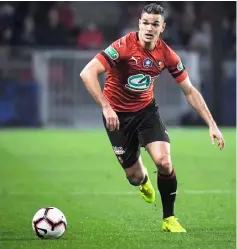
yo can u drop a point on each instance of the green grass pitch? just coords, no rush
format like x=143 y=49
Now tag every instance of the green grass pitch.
x=77 y=172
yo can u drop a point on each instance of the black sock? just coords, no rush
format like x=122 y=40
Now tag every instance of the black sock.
x=145 y=179
x=136 y=183
x=167 y=185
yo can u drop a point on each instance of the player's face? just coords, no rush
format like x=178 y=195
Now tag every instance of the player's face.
x=151 y=26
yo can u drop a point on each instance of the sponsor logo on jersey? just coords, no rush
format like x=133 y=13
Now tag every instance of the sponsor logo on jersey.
x=134 y=59
x=112 y=53
x=147 y=63
x=139 y=82
x=180 y=66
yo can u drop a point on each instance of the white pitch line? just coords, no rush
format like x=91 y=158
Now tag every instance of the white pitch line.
x=214 y=191
x=119 y=193
x=189 y=192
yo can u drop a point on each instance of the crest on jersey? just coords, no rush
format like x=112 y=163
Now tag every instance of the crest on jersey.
x=147 y=63
x=160 y=65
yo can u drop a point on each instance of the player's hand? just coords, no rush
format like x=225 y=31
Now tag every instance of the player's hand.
x=112 y=121
x=215 y=134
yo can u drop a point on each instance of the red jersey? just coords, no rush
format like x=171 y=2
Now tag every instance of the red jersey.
x=131 y=71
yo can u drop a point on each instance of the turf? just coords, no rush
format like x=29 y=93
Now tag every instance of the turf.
x=77 y=172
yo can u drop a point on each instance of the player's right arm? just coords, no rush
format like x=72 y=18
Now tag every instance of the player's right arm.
x=89 y=76
x=104 y=61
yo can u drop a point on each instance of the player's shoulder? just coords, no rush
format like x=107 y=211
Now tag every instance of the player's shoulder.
x=168 y=52
x=132 y=36
x=164 y=46
x=127 y=40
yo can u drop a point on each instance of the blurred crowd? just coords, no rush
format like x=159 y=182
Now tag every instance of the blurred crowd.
x=94 y=25
x=45 y=24
x=35 y=24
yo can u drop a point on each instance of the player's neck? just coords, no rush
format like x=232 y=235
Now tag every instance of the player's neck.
x=147 y=45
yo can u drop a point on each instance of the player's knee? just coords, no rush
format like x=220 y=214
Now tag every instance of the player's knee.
x=135 y=178
x=164 y=164
x=165 y=167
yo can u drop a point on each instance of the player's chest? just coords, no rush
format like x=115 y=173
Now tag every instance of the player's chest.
x=142 y=61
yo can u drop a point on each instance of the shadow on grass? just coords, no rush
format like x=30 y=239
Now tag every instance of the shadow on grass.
x=13 y=236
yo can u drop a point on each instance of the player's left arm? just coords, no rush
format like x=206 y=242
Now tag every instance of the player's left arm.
x=196 y=100
x=194 y=97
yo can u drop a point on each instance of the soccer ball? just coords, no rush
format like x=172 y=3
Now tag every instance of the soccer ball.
x=49 y=223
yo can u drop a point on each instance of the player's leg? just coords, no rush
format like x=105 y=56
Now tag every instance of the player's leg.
x=166 y=178
x=154 y=137
x=137 y=175
x=127 y=150
x=135 y=172
x=166 y=182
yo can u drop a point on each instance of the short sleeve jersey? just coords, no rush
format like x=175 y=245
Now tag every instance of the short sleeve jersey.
x=131 y=71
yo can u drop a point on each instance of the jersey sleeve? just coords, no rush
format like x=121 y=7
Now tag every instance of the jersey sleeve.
x=175 y=66
x=113 y=54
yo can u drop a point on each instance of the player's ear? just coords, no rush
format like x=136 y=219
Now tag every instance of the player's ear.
x=139 y=23
x=163 y=27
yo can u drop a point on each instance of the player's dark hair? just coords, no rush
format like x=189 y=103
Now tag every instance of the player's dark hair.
x=153 y=8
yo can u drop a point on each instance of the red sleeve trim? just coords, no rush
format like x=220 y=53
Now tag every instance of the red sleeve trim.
x=182 y=77
x=104 y=62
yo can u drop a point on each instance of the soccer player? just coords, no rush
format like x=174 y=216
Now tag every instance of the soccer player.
x=130 y=113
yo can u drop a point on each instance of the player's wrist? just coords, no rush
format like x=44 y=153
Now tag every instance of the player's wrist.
x=105 y=106
x=212 y=124
x=103 y=102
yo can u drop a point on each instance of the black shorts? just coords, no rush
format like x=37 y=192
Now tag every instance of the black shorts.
x=137 y=129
